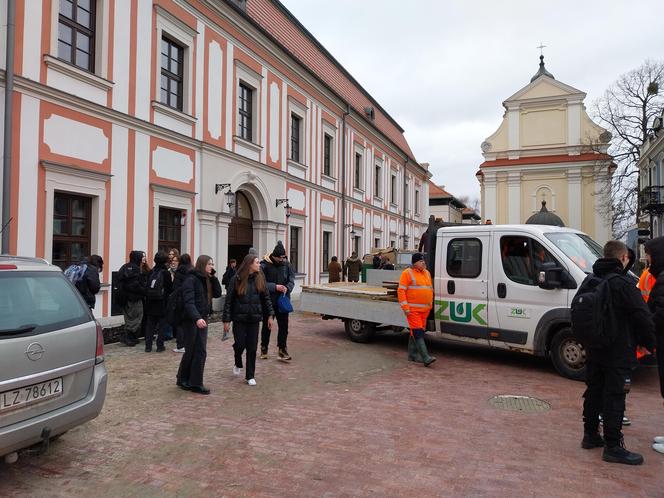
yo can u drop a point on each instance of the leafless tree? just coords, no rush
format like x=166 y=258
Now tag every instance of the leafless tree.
x=626 y=110
x=471 y=202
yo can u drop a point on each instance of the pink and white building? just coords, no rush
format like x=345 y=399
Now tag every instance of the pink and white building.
x=200 y=125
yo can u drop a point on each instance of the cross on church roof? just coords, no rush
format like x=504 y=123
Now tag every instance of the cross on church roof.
x=541 y=48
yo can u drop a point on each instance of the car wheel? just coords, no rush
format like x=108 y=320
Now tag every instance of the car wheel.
x=568 y=355
x=360 y=331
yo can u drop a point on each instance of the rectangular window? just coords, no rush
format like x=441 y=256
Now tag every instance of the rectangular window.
x=245 y=111
x=327 y=155
x=464 y=258
x=405 y=198
x=72 y=227
x=295 y=138
x=170 y=229
x=76 y=33
x=356 y=245
x=377 y=243
x=417 y=202
x=378 y=181
x=393 y=243
x=327 y=240
x=358 y=171
x=172 y=73
x=523 y=258
x=393 y=190
x=294 y=248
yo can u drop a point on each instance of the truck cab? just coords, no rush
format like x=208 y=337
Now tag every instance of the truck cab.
x=510 y=287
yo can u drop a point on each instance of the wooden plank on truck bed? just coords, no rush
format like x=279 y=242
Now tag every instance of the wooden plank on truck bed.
x=355 y=289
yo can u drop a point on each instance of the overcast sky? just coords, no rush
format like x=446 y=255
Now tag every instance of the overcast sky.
x=442 y=69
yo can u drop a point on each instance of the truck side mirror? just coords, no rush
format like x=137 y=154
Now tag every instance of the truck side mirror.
x=554 y=277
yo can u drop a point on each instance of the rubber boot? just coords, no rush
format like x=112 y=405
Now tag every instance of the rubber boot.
x=413 y=353
x=424 y=352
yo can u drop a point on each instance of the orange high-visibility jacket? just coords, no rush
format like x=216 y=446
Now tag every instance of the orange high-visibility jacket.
x=415 y=290
x=646 y=283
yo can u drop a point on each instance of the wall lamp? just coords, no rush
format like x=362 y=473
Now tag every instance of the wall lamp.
x=352 y=229
x=229 y=194
x=287 y=207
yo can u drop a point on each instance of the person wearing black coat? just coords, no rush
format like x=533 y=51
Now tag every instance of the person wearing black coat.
x=183 y=270
x=89 y=284
x=198 y=289
x=280 y=280
x=131 y=291
x=247 y=303
x=608 y=374
x=155 y=303
x=228 y=274
x=655 y=248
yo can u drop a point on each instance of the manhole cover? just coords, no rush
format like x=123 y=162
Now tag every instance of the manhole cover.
x=519 y=403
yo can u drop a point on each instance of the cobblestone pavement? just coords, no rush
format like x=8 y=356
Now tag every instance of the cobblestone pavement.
x=342 y=419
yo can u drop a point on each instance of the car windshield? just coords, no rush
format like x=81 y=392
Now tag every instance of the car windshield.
x=37 y=302
x=578 y=247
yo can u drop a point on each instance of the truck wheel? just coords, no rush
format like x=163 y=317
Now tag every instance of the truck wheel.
x=360 y=331
x=568 y=355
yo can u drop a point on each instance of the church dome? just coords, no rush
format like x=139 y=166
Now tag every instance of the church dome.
x=545 y=217
x=542 y=71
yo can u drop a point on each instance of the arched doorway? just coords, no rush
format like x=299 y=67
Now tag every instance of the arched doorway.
x=240 y=231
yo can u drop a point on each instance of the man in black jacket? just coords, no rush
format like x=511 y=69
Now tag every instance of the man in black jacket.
x=608 y=375
x=280 y=280
x=132 y=292
x=89 y=284
x=655 y=248
x=157 y=292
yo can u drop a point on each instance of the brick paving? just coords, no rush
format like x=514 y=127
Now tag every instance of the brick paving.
x=343 y=419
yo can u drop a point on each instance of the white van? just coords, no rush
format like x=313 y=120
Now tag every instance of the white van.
x=504 y=286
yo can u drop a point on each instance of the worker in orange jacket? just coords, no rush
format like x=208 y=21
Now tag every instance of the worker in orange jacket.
x=416 y=299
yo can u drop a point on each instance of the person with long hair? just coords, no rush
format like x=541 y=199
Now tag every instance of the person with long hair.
x=198 y=290
x=247 y=303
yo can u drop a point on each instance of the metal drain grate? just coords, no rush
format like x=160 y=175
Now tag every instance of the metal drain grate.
x=519 y=403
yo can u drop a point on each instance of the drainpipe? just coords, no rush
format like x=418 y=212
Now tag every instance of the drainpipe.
x=343 y=187
x=405 y=189
x=7 y=144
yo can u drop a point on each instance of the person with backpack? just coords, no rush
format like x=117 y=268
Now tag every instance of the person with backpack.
x=175 y=306
x=131 y=291
x=156 y=294
x=85 y=277
x=655 y=249
x=280 y=280
x=198 y=290
x=228 y=274
x=247 y=303
x=609 y=317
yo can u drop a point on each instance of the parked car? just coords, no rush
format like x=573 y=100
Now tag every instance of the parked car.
x=52 y=372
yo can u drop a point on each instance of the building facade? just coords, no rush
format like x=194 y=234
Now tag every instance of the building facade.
x=651 y=179
x=447 y=207
x=209 y=126
x=548 y=149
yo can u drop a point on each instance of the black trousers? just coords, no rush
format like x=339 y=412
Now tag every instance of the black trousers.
x=246 y=338
x=178 y=331
x=605 y=393
x=155 y=323
x=195 y=353
x=282 y=334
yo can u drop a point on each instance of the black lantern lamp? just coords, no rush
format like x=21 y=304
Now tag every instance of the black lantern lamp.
x=287 y=207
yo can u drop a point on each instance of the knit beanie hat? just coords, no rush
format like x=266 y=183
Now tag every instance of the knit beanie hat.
x=418 y=256
x=279 y=250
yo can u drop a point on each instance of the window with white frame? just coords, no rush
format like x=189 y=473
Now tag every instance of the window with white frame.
x=76 y=33
x=405 y=198
x=296 y=138
x=245 y=109
x=378 y=180
x=393 y=189
x=172 y=73
x=294 y=248
x=377 y=242
x=357 y=244
x=358 y=171
x=328 y=147
x=417 y=202
x=327 y=244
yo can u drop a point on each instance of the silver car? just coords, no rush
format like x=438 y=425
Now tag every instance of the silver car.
x=52 y=372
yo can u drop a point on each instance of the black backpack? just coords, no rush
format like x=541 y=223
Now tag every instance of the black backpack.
x=155 y=290
x=175 y=307
x=593 y=320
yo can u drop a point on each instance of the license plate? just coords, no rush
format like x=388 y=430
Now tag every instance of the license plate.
x=28 y=395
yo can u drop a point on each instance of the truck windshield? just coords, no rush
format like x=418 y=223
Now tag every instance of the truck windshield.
x=578 y=247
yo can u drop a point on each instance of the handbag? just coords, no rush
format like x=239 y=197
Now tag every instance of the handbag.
x=284 y=304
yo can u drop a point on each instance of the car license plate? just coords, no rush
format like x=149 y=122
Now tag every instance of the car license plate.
x=28 y=395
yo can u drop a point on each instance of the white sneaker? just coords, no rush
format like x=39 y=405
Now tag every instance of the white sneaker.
x=658 y=447
x=658 y=439
x=237 y=371
x=178 y=350
x=252 y=382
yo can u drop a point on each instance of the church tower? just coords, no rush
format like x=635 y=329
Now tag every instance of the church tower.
x=548 y=150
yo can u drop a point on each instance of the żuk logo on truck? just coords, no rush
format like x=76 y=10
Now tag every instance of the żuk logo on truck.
x=460 y=312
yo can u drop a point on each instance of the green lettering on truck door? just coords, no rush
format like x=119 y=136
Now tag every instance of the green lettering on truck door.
x=461 y=312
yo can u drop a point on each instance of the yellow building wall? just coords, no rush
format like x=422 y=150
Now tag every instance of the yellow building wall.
x=530 y=184
x=588 y=203
x=543 y=126
x=501 y=200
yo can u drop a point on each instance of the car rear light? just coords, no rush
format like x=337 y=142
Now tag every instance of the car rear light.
x=8 y=267
x=99 y=354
